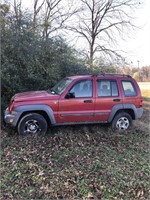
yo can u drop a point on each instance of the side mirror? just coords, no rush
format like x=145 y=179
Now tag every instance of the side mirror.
x=70 y=95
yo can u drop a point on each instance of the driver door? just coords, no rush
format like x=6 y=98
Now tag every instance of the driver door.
x=80 y=106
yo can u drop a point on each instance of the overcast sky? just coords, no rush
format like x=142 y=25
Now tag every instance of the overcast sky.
x=137 y=46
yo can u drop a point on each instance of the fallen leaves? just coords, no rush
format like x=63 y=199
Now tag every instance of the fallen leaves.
x=76 y=163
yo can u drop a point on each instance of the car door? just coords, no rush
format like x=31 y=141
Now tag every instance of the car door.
x=79 y=107
x=107 y=96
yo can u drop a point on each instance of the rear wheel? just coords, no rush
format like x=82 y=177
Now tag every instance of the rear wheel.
x=122 y=122
x=32 y=123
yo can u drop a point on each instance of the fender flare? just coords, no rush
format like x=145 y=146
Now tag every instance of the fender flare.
x=118 y=107
x=39 y=107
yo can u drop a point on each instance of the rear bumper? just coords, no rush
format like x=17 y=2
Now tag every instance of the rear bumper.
x=139 y=113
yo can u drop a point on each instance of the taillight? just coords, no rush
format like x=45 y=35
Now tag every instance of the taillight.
x=141 y=102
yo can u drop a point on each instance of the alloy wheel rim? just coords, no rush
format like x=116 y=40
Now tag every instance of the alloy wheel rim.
x=122 y=123
x=32 y=127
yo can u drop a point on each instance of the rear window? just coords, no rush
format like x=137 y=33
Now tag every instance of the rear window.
x=128 y=88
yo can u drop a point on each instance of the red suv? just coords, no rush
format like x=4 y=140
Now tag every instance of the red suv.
x=85 y=99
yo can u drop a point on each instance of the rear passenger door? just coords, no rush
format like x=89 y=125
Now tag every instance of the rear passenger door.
x=107 y=96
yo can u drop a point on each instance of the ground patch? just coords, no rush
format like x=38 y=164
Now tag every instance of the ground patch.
x=77 y=162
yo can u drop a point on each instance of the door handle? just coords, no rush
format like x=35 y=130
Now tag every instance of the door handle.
x=88 y=101
x=116 y=99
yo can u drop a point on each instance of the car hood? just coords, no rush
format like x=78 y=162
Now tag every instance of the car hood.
x=34 y=96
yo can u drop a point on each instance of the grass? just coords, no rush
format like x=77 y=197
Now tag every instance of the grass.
x=77 y=162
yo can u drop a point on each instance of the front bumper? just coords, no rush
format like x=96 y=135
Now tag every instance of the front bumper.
x=10 y=119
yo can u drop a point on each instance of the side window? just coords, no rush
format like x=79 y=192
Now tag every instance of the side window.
x=107 y=88
x=128 y=88
x=82 y=89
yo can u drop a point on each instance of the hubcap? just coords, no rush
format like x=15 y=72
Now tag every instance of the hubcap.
x=122 y=123
x=31 y=126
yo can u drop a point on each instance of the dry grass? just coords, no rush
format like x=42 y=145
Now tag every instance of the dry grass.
x=145 y=90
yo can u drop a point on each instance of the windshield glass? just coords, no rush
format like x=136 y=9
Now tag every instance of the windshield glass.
x=61 y=86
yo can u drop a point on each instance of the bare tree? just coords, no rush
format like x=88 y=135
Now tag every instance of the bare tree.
x=36 y=10
x=17 y=5
x=55 y=14
x=101 y=21
x=145 y=72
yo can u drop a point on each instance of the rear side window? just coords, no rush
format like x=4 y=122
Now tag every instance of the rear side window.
x=128 y=88
x=107 y=88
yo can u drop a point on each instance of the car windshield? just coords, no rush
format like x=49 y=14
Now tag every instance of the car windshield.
x=61 y=86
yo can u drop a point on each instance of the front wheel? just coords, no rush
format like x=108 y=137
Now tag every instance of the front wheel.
x=122 y=122
x=32 y=123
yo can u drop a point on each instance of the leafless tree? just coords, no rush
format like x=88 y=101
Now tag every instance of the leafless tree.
x=101 y=22
x=55 y=14
x=36 y=10
x=17 y=5
x=145 y=72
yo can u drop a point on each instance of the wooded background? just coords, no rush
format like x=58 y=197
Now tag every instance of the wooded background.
x=36 y=47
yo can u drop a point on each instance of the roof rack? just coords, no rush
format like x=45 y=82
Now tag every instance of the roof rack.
x=103 y=74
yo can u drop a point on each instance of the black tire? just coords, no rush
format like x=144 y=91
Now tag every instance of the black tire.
x=122 y=122
x=32 y=123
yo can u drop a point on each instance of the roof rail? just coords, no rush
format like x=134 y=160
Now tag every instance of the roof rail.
x=107 y=74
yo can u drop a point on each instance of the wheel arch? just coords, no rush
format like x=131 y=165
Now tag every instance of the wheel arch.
x=128 y=108
x=43 y=110
x=129 y=111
